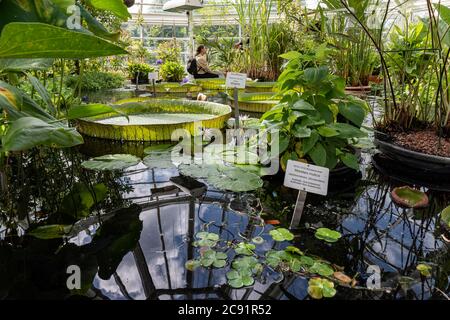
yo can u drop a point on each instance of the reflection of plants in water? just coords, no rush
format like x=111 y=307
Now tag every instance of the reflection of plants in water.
x=46 y=186
x=36 y=268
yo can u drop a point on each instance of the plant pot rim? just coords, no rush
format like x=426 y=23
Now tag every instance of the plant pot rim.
x=394 y=149
x=398 y=200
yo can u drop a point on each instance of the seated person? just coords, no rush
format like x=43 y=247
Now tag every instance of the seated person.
x=203 y=70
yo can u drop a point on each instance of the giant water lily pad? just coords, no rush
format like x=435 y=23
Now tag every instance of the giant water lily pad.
x=409 y=197
x=111 y=162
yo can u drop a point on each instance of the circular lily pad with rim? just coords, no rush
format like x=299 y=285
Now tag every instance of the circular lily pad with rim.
x=409 y=197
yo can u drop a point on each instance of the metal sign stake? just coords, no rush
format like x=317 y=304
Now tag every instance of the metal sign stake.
x=298 y=211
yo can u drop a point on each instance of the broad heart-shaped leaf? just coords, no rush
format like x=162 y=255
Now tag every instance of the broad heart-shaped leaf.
x=291 y=55
x=54 y=231
x=347 y=131
x=301 y=132
x=309 y=143
x=117 y=7
x=302 y=105
x=39 y=40
x=319 y=288
x=445 y=216
x=19 y=65
x=28 y=132
x=327 y=131
x=111 y=162
x=327 y=235
x=318 y=154
x=281 y=234
x=353 y=112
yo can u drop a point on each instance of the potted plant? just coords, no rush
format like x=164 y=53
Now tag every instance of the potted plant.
x=139 y=72
x=171 y=71
x=414 y=127
x=317 y=121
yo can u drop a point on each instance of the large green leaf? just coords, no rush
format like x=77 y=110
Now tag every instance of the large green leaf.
x=29 y=132
x=353 y=112
x=117 y=7
x=79 y=201
x=318 y=154
x=111 y=162
x=19 y=65
x=39 y=87
x=38 y=40
x=315 y=76
x=90 y=110
x=50 y=231
x=445 y=216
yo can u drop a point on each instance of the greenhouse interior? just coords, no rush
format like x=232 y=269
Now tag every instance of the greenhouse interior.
x=225 y=150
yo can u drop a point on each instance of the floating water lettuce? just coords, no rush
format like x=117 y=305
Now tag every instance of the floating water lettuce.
x=111 y=162
x=281 y=234
x=327 y=235
x=319 y=288
x=409 y=197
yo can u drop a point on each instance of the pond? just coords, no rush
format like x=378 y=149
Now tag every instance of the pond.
x=139 y=251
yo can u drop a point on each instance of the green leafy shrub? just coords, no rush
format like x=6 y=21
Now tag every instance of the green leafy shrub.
x=168 y=51
x=318 y=122
x=95 y=81
x=172 y=72
x=142 y=68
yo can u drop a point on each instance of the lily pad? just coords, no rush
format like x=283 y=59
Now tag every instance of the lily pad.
x=281 y=234
x=322 y=269
x=319 y=288
x=111 y=162
x=191 y=265
x=327 y=235
x=409 y=197
x=206 y=239
x=159 y=161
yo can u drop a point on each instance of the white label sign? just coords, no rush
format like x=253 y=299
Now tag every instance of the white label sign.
x=153 y=76
x=236 y=80
x=307 y=177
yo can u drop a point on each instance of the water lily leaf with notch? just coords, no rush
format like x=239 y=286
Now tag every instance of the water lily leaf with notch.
x=213 y=258
x=159 y=161
x=327 y=235
x=319 y=288
x=236 y=180
x=111 y=162
x=199 y=171
x=246 y=249
x=206 y=239
x=54 y=231
x=281 y=234
x=91 y=110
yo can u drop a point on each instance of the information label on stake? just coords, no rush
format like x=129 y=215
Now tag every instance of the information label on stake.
x=236 y=80
x=153 y=76
x=307 y=177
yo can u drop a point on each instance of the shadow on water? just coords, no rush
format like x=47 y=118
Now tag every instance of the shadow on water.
x=131 y=233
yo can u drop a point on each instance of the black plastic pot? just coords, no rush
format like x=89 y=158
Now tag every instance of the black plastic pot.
x=421 y=162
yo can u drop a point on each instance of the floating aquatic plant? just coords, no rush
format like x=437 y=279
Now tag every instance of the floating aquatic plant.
x=319 y=288
x=111 y=162
x=281 y=234
x=206 y=239
x=327 y=235
x=409 y=197
x=424 y=269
